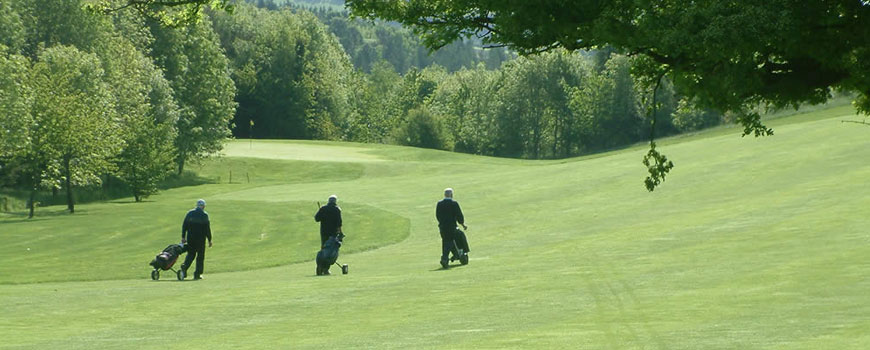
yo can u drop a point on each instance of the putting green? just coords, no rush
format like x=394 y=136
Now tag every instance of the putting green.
x=749 y=244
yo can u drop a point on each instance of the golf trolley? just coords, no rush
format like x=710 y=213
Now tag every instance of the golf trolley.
x=166 y=260
x=328 y=255
x=460 y=241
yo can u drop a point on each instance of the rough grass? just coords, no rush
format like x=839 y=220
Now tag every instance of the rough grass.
x=749 y=244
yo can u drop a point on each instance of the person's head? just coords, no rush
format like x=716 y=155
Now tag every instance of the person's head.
x=200 y=203
x=448 y=192
x=333 y=199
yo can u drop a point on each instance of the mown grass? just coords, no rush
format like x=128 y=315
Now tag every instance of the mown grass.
x=749 y=244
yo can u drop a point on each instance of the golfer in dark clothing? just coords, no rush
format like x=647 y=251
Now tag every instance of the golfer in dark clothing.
x=194 y=231
x=448 y=214
x=329 y=217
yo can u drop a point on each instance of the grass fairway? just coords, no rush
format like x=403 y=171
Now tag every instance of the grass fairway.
x=749 y=244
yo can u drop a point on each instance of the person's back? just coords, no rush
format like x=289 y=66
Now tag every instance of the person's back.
x=196 y=225
x=195 y=230
x=448 y=214
x=329 y=217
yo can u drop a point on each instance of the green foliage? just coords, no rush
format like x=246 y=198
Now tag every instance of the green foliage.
x=293 y=78
x=724 y=55
x=373 y=110
x=73 y=112
x=468 y=100
x=198 y=71
x=658 y=167
x=170 y=13
x=422 y=129
x=12 y=30
x=780 y=52
x=15 y=101
x=688 y=117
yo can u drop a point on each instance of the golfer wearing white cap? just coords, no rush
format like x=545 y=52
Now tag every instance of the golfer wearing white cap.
x=448 y=214
x=194 y=231
x=329 y=217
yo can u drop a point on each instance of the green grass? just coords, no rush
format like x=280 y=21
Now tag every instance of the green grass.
x=749 y=244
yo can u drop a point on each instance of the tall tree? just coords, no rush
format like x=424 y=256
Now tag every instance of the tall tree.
x=74 y=129
x=194 y=63
x=292 y=75
x=147 y=116
x=15 y=101
x=12 y=30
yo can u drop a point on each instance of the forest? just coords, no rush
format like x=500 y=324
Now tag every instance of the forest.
x=89 y=98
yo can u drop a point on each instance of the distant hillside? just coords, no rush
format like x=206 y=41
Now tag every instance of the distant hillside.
x=337 y=5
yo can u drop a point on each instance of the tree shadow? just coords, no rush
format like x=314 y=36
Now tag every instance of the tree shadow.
x=188 y=178
x=38 y=215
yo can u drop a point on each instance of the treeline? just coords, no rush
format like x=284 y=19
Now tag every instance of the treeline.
x=369 y=42
x=88 y=98
x=297 y=81
x=554 y=105
x=85 y=98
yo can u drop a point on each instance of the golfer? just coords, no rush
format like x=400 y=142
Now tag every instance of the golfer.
x=194 y=231
x=329 y=217
x=448 y=214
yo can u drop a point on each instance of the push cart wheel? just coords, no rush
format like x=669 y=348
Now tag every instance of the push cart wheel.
x=463 y=259
x=344 y=269
x=180 y=275
x=155 y=275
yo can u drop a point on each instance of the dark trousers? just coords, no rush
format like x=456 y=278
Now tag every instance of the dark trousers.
x=447 y=244
x=194 y=250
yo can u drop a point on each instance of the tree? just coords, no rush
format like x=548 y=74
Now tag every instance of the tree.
x=12 y=32
x=423 y=129
x=198 y=71
x=15 y=101
x=467 y=100
x=172 y=13
x=722 y=54
x=74 y=134
x=292 y=75
x=147 y=114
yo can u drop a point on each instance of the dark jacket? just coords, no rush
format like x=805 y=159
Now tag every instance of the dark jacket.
x=329 y=217
x=448 y=214
x=196 y=226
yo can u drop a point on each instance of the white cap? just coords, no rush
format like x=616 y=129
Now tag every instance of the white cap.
x=333 y=199
x=200 y=203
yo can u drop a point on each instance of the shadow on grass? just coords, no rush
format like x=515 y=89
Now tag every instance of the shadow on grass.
x=113 y=190
x=189 y=178
x=39 y=214
x=450 y=267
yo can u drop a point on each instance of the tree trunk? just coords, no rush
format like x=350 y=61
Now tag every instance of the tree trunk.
x=68 y=183
x=180 y=165
x=31 y=201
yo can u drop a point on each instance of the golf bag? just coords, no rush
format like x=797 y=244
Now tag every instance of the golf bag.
x=329 y=254
x=461 y=242
x=166 y=259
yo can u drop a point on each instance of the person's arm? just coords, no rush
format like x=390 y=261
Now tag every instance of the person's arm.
x=459 y=217
x=185 y=228
x=339 y=221
x=319 y=215
x=208 y=230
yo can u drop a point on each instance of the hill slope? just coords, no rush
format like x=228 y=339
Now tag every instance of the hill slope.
x=751 y=243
